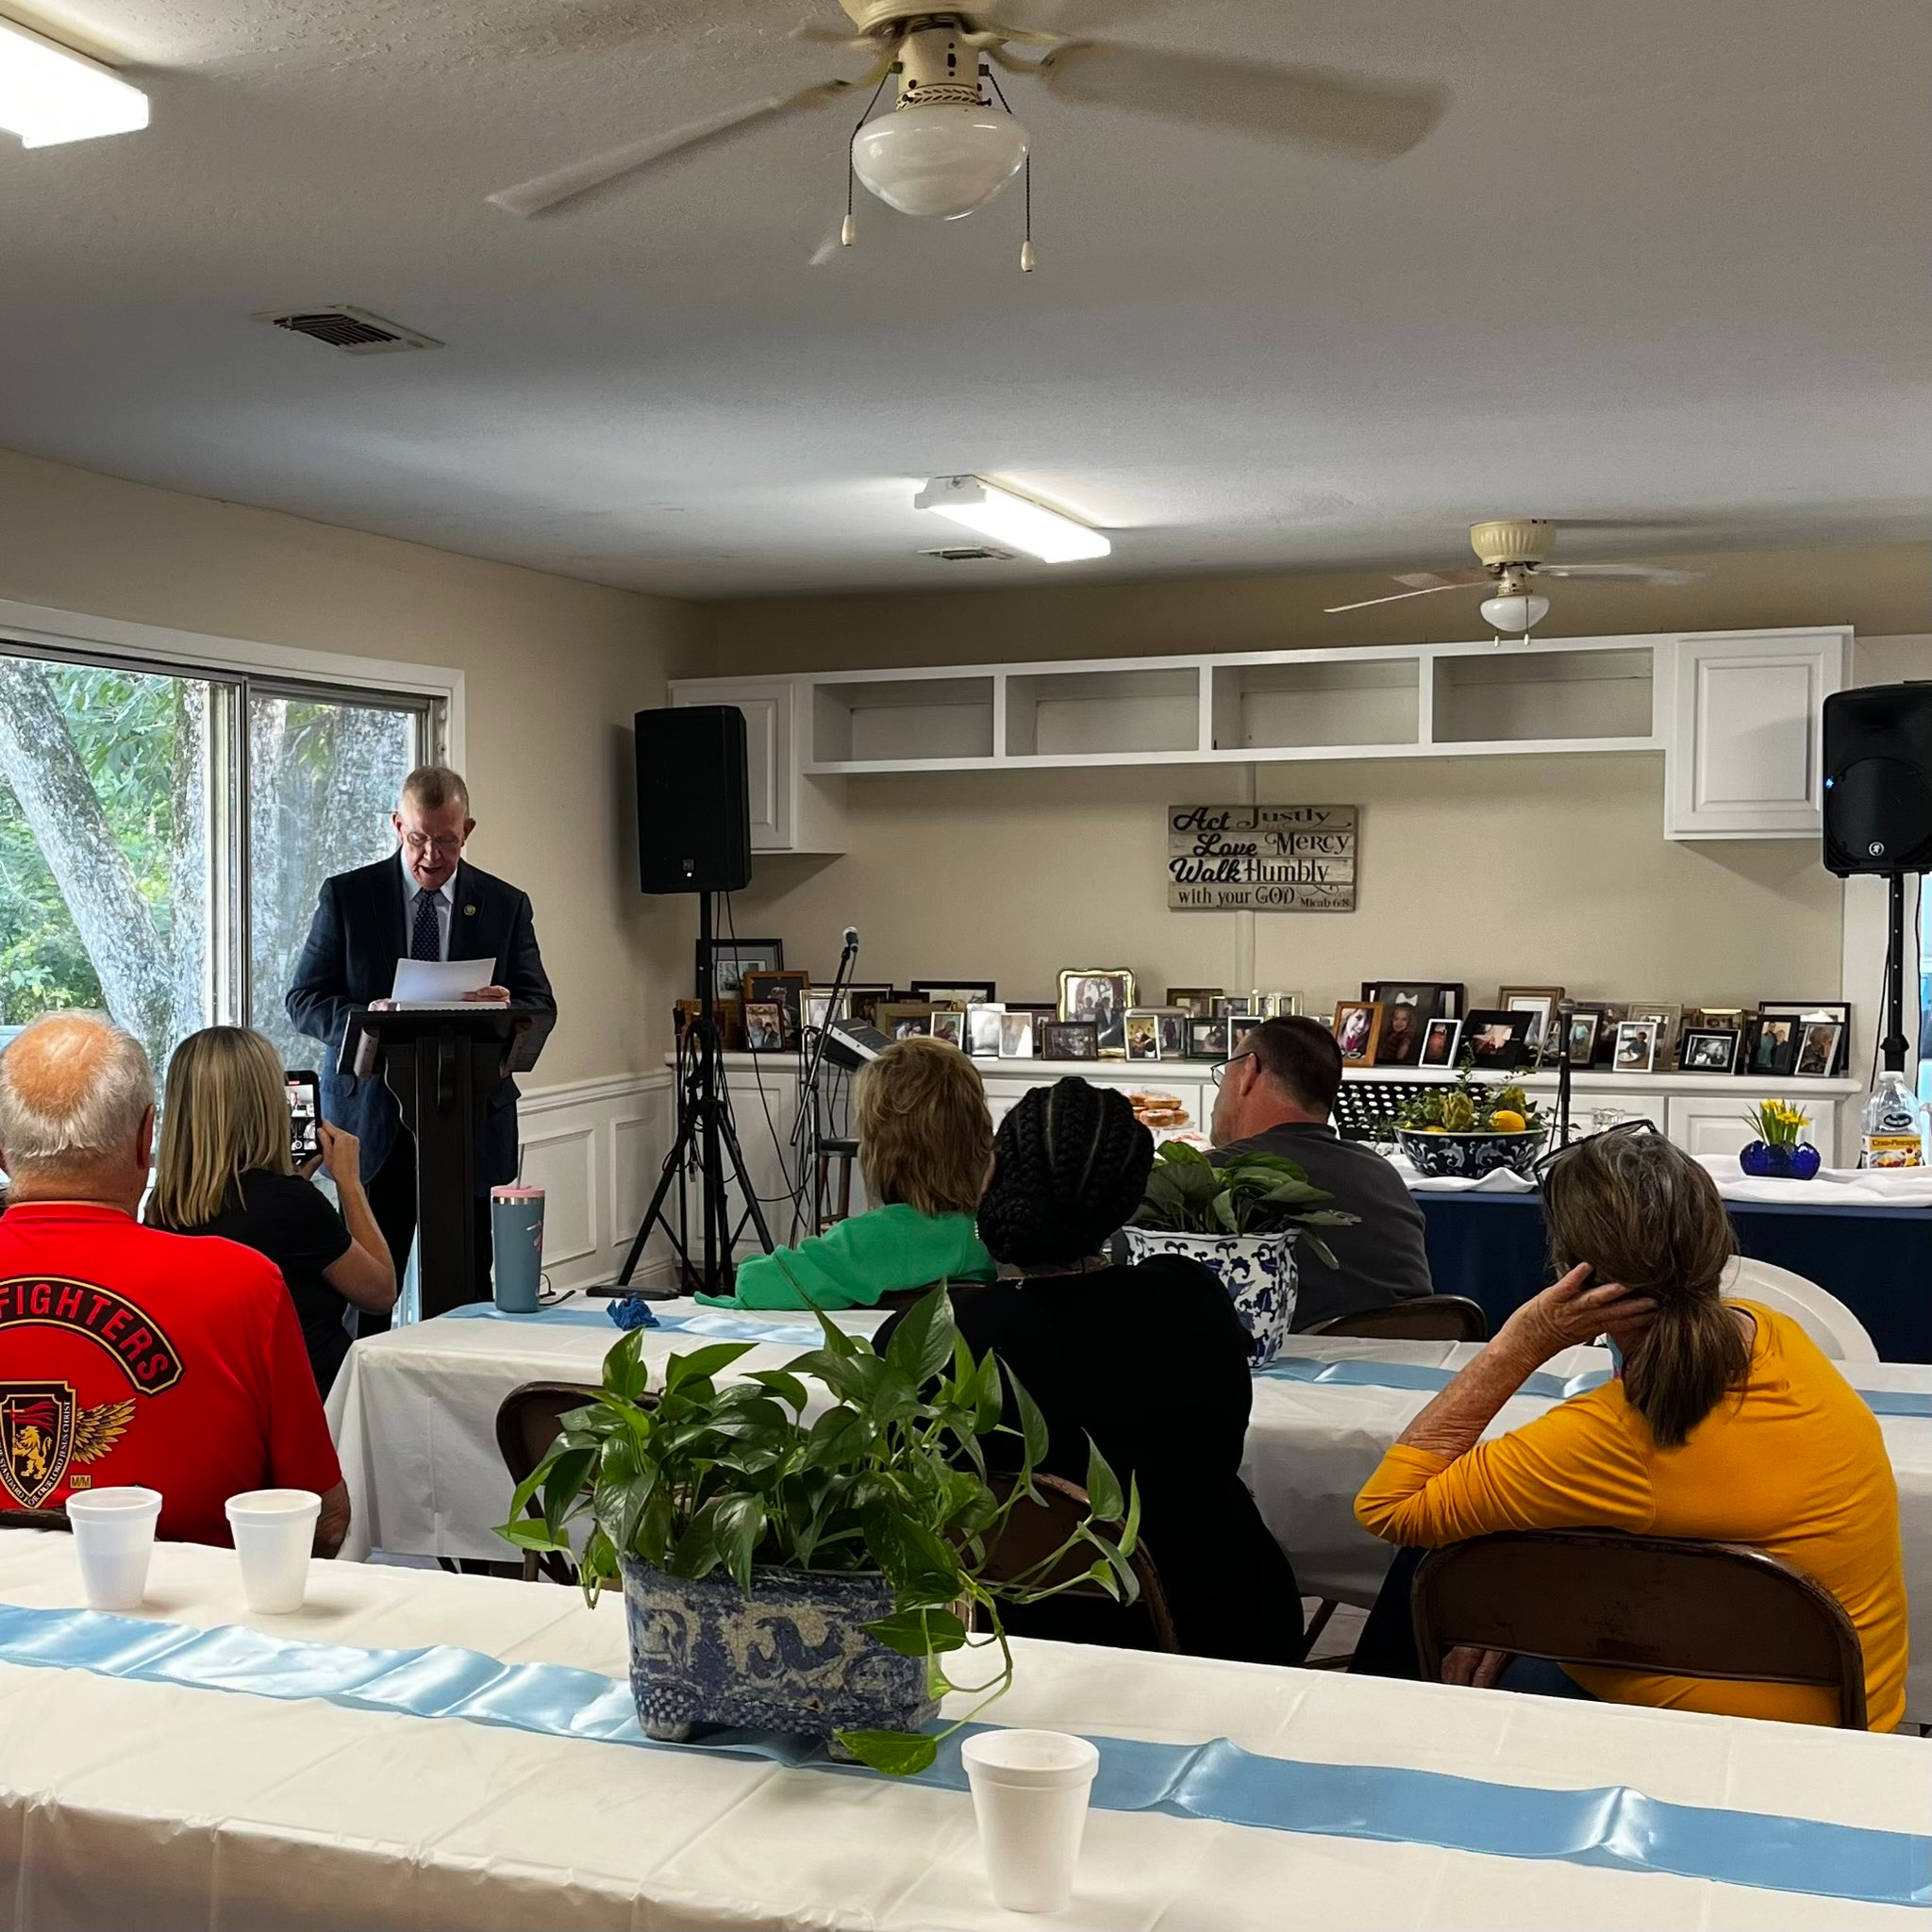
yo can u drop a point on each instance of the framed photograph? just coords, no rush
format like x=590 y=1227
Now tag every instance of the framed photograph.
x=1406 y=1014
x=904 y=1019
x=1357 y=1028
x=1069 y=1039
x=1540 y=1003
x=1101 y=994
x=1439 y=999
x=1207 y=1039
x=1579 y=1046
x=1441 y=1041
x=1840 y=1011
x=1497 y=1039
x=1195 y=1001
x=783 y=990
x=1174 y=1032
x=1143 y=1034
x=1714 y=1019
x=1636 y=1050
x=862 y=1002
x=1238 y=1030
x=1708 y=1050
x=1229 y=1006
x=955 y=993
x=1016 y=1034
x=949 y=1023
x=731 y=959
x=1669 y=1024
x=1817 y=1044
x=764 y=1027
x=1774 y=1047
x=983 y=1029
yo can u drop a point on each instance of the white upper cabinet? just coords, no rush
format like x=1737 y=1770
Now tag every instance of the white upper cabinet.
x=788 y=811
x=1744 y=758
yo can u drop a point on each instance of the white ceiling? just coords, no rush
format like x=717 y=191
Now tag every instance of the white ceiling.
x=1665 y=264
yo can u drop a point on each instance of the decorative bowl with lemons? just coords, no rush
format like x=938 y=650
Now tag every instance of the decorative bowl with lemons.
x=1466 y=1131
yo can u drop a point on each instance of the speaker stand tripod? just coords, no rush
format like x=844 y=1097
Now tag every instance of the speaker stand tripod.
x=706 y=1139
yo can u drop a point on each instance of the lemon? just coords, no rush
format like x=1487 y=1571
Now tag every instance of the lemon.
x=1503 y=1121
x=1435 y=1130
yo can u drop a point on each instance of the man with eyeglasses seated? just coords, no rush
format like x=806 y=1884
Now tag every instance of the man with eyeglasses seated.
x=426 y=902
x=1276 y=1096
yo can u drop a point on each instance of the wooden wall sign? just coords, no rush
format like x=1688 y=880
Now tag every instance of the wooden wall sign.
x=1260 y=858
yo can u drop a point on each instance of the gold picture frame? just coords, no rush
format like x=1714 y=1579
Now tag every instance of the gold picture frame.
x=1101 y=994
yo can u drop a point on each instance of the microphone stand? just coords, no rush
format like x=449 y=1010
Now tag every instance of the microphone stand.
x=1565 y=1010
x=805 y=1127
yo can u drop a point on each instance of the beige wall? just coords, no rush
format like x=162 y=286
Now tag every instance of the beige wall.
x=1489 y=870
x=553 y=671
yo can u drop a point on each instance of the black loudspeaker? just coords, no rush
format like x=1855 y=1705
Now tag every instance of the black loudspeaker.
x=1878 y=779
x=693 y=814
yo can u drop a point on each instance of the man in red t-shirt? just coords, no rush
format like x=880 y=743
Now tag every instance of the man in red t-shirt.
x=129 y=1355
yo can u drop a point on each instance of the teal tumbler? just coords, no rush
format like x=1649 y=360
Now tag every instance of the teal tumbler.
x=516 y=1235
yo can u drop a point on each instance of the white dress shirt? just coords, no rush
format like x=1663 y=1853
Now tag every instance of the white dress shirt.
x=446 y=897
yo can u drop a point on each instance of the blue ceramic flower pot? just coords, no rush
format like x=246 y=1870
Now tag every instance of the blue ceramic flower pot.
x=791 y=1655
x=1763 y=1160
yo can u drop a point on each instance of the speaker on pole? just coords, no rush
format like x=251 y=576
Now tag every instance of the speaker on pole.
x=693 y=812
x=1879 y=780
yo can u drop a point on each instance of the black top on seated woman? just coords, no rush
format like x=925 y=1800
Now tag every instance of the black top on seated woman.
x=1151 y=1361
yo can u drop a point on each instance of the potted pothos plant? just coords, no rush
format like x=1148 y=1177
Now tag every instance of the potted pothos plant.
x=1244 y=1219
x=799 y=1560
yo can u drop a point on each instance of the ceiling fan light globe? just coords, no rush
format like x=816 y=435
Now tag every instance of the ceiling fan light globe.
x=941 y=161
x=1514 y=616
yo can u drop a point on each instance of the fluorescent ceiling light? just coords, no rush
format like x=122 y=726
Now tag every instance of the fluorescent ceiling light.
x=48 y=94
x=1016 y=519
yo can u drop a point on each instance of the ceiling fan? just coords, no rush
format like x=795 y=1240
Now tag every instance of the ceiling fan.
x=945 y=150
x=1512 y=551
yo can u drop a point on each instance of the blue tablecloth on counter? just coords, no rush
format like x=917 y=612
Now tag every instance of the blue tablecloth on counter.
x=1876 y=1260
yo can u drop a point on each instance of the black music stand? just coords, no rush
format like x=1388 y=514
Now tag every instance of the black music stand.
x=442 y=1064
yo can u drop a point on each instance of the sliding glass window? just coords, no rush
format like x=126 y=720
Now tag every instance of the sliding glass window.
x=164 y=833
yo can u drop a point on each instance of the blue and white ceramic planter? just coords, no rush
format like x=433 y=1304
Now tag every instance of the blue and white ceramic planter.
x=1469 y=1157
x=793 y=1656
x=1259 y=1270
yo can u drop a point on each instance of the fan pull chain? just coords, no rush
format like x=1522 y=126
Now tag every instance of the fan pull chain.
x=848 y=228
x=1029 y=260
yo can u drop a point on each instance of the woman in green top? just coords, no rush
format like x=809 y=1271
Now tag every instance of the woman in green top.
x=925 y=1151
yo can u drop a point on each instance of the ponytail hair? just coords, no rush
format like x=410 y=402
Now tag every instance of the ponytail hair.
x=1641 y=1211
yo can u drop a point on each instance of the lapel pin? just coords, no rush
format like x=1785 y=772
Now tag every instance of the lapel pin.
x=469 y=912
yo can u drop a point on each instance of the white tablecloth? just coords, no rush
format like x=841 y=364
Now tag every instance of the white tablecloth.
x=125 y=1805
x=414 y=1416
x=1830 y=1187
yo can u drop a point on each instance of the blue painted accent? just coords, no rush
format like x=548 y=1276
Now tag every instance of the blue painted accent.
x=1609 y=1826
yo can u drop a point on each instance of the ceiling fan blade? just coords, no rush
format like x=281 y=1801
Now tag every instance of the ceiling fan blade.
x=1369 y=603
x=1068 y=17
x=565 y=184
x=1308 y=106
x=1634 y=572
x=1440 y=580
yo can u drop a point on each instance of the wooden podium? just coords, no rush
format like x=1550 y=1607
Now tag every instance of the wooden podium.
x=442 y=1064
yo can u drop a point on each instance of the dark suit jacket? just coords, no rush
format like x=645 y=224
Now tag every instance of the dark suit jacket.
x=350 y=958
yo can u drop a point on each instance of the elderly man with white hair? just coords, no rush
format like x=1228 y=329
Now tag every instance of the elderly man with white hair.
x=126 y=1355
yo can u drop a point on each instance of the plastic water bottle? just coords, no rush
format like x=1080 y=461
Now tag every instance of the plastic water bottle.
x=1893 y=1124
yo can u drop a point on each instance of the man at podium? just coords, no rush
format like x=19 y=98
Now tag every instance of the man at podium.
x=425 y=903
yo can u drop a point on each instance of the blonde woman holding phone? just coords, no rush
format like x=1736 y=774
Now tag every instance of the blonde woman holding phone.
x=224 y=1168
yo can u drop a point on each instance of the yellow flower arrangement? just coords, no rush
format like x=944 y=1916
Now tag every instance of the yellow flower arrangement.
x=1777 y=1122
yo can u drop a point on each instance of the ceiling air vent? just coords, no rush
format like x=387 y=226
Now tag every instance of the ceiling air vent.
x=354 y=331
x=969 y=553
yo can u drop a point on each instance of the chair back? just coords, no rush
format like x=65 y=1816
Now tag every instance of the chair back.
x=34 y=1519
x=527 y=1421
x=1427 y=1318
x=1837 y=1332
x=1034 y=1531
x=1639 y=1603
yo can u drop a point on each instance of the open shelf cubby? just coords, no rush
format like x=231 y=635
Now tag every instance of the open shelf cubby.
x=1550 y=696
x=1102 y=713
x=1327 y=702
x=890 y=722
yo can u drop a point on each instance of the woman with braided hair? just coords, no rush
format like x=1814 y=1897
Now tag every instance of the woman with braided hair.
x=1151 y=1361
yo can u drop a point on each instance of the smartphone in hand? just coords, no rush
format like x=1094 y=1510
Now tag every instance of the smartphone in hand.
x=303 y=1090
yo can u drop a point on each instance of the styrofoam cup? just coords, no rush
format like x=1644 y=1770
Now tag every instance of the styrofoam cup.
x=114 y=1537
x=1029 y=1794
x=274 y=1531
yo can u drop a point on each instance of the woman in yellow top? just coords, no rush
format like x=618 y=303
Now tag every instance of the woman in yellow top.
x=1726 y=1424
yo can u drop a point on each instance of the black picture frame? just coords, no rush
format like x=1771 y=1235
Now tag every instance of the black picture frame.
x=757 y=956
x=1830 y=1009
x=1708 y=1050
x=1773 y=1049
x=960 y=993
x=1491 y=1056
x=1067 y=1040
x=1207 y=1039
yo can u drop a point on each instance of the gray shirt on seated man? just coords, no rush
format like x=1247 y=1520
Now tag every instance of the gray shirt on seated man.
x=1276 y=1097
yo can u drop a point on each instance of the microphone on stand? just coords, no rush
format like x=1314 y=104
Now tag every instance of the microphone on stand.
x=852 y=940
x=1565 y=1010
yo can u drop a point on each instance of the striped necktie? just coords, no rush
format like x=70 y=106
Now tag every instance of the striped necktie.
x=423 y=939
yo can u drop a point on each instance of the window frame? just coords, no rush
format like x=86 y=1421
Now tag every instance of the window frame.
x=236 y=670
